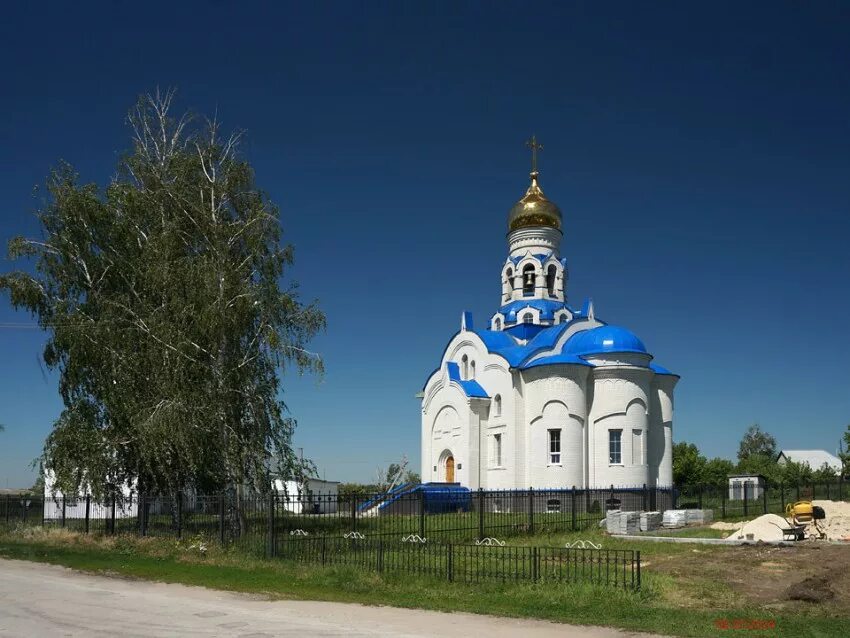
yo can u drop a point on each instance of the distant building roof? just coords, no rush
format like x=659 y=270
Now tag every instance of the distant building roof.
x=814 y=458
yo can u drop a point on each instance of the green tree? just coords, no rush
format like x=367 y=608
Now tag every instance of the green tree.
x=793 y=473
x=688 y=464
x=824 y=474
x=717 y=471
x=844 y=452
x=162 y=298
x=756 y=442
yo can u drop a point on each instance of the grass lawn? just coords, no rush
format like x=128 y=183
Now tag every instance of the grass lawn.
x=687 y=588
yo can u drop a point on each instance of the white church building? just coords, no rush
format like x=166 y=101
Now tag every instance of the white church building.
x=547 y=395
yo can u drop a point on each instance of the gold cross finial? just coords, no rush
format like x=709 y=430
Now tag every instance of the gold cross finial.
x=535 y=146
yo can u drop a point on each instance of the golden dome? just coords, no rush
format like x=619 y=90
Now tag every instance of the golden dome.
x=534 y=209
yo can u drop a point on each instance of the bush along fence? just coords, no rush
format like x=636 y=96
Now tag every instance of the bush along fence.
x=472 y=563
x=455 y=517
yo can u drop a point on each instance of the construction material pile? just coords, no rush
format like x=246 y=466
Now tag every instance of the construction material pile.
x=622 y=522
x=699 y=517
x=767 y=528
x=836 y=525
x=650 y=521
x=674 y=518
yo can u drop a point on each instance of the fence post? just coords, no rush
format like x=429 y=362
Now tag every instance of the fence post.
x=421 y=514
x=88 y=511
x=143 y=513
x=449 y=566
x=270 y=528
x=535 y=565
x=324 y=548
x=63 y=510
x=746 y=485
x=573 y=508
x=764 y=498
x=531 y=510
x=112 y=516
x=638 y=570
x=723 y=500
x=353 y=513
x=644 y=499
x=481 y=507
x=221 y=518
x=380 y=560
x=179 y=514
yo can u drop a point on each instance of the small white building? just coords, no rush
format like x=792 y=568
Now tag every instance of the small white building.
x=754 y=485
x=312 y=496
x=547 y=395
x=815 y=459
x=58 y=505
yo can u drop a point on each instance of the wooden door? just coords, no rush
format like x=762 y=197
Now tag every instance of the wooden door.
x=450 y=469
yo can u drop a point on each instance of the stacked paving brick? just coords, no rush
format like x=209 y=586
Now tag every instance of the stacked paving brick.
x=650 y=521
x=623 y=522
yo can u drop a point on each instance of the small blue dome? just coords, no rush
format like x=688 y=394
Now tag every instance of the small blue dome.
x=604 y=339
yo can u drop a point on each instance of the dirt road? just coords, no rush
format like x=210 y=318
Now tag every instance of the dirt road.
x=42 y=600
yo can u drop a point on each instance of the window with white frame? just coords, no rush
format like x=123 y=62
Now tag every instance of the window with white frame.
x=528 y=318
x=497 y=450
x=554 y=447
x=464 y=367
x=615 y=447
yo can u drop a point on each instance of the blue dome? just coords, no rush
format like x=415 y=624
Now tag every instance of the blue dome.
x=604 y=339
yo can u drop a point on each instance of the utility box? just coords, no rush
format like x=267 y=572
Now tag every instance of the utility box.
x=752 y=485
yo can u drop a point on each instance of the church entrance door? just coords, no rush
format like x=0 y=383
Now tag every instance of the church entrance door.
x=450 y=469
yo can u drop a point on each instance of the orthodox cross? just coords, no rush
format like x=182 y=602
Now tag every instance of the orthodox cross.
x=535 y=146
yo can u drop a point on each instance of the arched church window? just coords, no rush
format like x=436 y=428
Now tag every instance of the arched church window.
x=497 y=324
x=472 y=370
x=497 y=405
x=528 y=318
x=528 y=280
x=510 y=276
x=464 y=367
x=550 y=280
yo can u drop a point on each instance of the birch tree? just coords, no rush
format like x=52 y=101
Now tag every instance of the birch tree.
x=169 y=316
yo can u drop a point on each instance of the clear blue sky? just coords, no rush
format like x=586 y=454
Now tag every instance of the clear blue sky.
x=699 y=153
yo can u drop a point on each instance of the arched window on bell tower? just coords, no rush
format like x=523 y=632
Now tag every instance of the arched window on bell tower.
x=528 y=280
x=464 y=367
x=551 y=275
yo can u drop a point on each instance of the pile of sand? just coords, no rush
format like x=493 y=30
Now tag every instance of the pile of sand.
x=764 y=528
x=728 y=527
x=837 y=523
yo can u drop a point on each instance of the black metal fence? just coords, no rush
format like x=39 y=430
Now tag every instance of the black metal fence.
x=257 y=520
x=469 y=563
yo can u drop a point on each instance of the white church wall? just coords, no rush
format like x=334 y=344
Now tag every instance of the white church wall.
x=664 y=385
x=620 y=403
x=555 y=400
x=535 y=240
